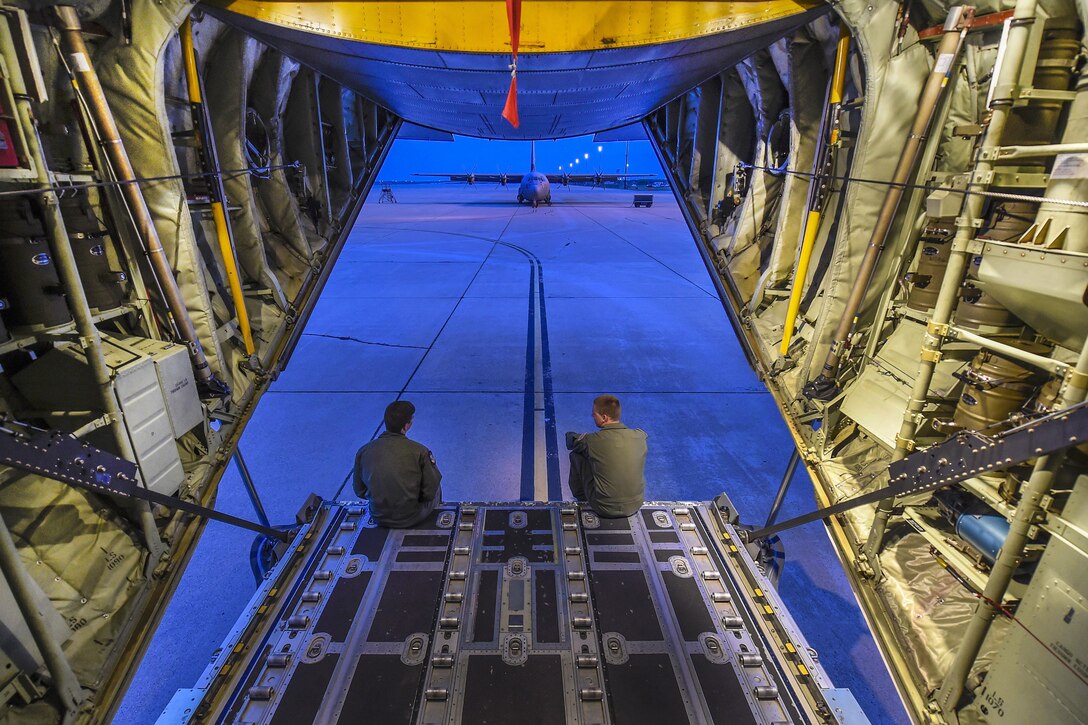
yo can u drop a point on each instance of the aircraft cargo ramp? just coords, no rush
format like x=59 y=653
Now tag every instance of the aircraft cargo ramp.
x=516 y=612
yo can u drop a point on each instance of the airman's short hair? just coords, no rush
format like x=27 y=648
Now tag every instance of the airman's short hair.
x=607 y=405
x=398 y=414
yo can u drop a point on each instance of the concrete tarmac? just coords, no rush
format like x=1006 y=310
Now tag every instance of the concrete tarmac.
x=501 y=324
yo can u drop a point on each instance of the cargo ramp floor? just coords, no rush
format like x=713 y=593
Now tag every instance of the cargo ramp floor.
x=516 y=613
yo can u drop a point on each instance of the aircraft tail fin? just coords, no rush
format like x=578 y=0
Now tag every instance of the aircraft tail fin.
x=532 y=156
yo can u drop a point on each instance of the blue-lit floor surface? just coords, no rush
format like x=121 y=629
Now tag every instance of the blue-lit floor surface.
x=501 y=324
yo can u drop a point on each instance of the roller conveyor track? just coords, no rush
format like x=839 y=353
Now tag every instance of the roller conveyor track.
x=515 y=613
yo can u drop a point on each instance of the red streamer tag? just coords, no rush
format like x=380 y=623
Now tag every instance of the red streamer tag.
x=510 y=110
x=513 y=16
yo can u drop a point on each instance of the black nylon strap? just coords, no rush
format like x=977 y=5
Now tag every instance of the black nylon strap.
x=63 y=458
x=965 y=455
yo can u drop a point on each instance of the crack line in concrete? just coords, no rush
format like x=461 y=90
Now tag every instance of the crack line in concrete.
x=494 y=243
x=349 y=338
x=623 y=239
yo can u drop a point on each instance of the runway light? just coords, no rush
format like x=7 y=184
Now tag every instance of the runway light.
x=577 y=161
x=600 y=148
x=586 y=156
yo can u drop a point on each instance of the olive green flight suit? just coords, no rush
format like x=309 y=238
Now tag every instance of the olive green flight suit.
x=607 y=469
x=400 y=478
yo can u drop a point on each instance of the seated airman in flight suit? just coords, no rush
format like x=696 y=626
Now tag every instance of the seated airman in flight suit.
x=397 y=474
x=607 y=468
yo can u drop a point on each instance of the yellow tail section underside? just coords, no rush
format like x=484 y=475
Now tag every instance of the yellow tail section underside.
x=546 y=27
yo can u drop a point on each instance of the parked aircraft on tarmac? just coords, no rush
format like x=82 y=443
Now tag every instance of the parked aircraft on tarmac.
x=535 y=188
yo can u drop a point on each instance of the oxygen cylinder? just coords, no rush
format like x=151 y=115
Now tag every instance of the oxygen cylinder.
x=1037 y=122
x=995 y=387
x=935 y=247
x=986 y=533
x=1006 y=221
x=979 y=310
x=974 y=522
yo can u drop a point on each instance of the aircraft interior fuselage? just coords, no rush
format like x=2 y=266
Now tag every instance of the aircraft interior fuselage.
x=874 y=275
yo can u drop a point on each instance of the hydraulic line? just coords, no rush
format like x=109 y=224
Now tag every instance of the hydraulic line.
x=71 y=39
x=956 y=26
x=210 y=162
x=818 y=184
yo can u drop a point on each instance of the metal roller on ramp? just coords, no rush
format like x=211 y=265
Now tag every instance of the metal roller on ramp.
x=515 y=612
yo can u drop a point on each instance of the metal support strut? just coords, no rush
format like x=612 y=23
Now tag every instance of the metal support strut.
x=65 y=680
x=251 y=489
x=71 y=39
x=210 y=161
x=784 y=487
x=819 y=186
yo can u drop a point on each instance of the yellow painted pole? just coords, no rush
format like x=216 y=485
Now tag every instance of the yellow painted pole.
x=808 y=241
x=219 y=212
x=816 y=195
x=838 y=77
x=188 y=54
x=219 y=215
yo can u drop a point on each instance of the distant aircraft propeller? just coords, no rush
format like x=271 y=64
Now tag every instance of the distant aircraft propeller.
x=470 y=177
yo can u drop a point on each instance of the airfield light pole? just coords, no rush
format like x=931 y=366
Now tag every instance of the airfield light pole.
x=626 y=161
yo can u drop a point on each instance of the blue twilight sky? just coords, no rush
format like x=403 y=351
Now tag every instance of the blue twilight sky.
x=483 y=156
